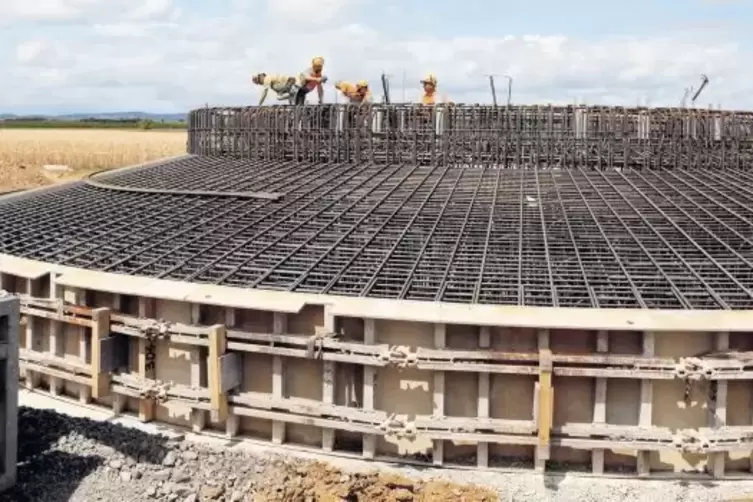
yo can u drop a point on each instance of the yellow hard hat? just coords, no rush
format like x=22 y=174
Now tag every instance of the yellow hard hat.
x=317 y=61
x=430 y=79
x=362 y=84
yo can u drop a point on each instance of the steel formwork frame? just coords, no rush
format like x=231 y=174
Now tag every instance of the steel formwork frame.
x=118 y=334
x=510 y=136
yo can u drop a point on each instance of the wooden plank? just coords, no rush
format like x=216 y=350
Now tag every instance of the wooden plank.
x=543 y=402
x=645 y=414
x=369 y=379
x=329 y=372
x=100 y=331
x=146 y=406
x=718 y=410
x=279 y=326
x=483 y=409
x=233 y=421
x=440 y=340
x=218 y=395
x=600 y=404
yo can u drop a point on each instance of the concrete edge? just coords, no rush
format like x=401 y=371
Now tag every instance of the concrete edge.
x=377 y=308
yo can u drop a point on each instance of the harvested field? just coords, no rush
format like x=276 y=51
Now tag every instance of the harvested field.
x=24 y=152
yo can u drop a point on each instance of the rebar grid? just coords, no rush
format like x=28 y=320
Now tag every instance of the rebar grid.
x=660 y=238
x=530 y=136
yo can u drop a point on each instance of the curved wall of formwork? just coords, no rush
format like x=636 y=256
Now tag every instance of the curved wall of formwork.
x=578 y=319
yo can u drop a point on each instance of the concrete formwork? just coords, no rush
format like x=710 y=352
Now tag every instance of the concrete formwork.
x=9 y=341
x=602 y=390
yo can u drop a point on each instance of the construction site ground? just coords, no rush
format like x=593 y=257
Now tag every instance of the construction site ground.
x=77 y=453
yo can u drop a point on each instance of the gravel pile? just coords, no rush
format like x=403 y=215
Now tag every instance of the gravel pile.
x=62 y=458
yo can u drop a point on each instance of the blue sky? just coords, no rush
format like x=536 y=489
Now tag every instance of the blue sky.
x=171 y=55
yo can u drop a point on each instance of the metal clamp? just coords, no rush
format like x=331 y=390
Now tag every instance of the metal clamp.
x=155 y=329
x=691 y=441
x=398 y=428
x=315 y=343
x=399 y=356
x=155 y=392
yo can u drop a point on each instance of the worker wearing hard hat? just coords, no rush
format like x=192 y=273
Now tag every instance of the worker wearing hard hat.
x=431 y=95
x=355 y=93
x=282 y=85
x=311 y=79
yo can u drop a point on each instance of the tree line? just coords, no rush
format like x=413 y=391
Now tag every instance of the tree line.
x=90 y=123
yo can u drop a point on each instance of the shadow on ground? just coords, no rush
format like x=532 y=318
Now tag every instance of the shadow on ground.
x=46 y=472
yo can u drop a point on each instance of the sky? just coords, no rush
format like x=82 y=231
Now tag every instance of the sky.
x=66 y=56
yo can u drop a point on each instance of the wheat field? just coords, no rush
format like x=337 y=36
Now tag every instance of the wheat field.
x=24 y=153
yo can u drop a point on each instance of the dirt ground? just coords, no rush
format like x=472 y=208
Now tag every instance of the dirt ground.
x=319 y=482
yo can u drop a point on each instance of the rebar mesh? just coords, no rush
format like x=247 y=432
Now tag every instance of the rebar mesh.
x=578 y=237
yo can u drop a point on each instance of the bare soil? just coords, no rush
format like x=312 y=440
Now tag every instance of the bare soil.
x=320 y=482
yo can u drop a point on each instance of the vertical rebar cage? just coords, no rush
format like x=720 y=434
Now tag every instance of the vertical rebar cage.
x=512 y=136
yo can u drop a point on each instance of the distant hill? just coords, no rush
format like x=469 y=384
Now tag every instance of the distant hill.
x=157 y=117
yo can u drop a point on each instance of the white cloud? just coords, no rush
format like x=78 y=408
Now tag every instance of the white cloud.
x=83 y=10
x=308 y=12
x=156 y=59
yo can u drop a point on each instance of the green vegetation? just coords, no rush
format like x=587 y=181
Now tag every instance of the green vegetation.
x=91 y=123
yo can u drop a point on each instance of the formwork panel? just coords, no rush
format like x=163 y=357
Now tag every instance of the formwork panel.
x=462 y=391
x=173 y=364
x=350 y=329
x=739 y=414
x=626 y=342
x=303 y=379
x=257 y=377
x=679 y=404
x=406 y=392
x=410 y=393
x=511 y=397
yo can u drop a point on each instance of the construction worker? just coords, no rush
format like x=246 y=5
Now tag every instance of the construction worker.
x=355 y=93
x=431 y=95
x=280 y=84
x=311 y=79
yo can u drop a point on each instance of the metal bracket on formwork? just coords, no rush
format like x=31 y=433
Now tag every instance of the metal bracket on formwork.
x=716 y=365
x=691 y=441
x=398 y=428
x=154 y=329
x=315 y=343
x=156 y=392
x=399 y=356
x=546 y=403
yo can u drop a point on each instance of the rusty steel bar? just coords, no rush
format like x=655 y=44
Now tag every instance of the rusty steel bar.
x=513 y=136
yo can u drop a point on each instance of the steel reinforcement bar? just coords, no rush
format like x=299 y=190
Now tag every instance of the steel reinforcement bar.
x=470 y=136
